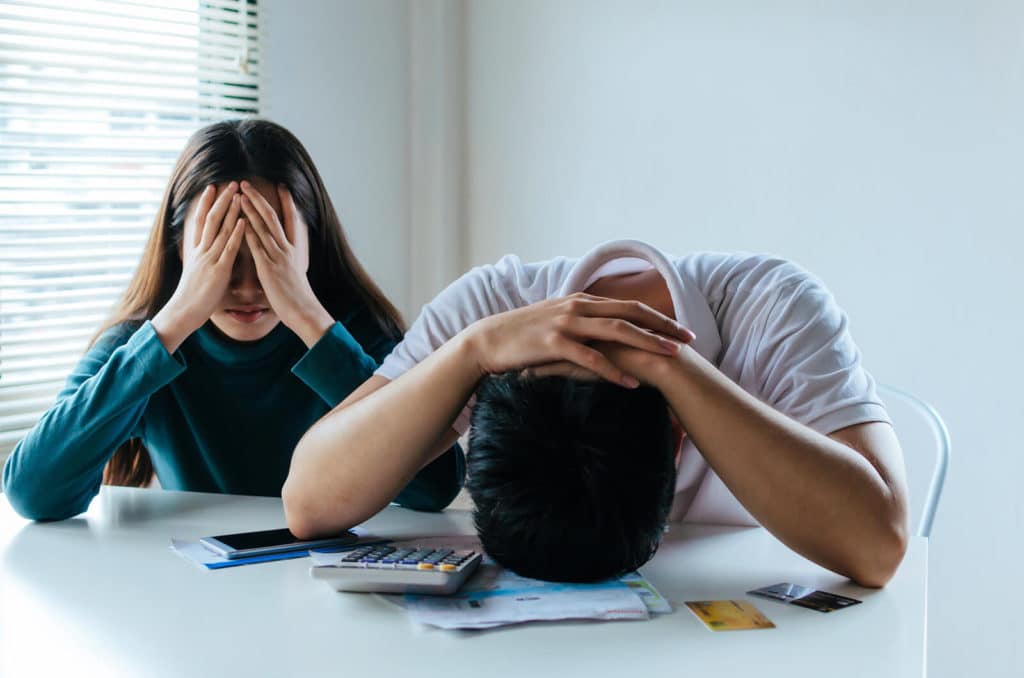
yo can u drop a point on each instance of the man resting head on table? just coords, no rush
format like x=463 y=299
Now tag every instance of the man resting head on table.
x=617 y=392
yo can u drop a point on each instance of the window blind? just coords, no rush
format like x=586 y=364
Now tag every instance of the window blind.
x=97 y=98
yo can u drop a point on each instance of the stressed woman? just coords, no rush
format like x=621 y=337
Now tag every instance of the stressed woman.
x=247 y=320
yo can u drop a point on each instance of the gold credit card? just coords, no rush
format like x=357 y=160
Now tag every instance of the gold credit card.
x=729 y=615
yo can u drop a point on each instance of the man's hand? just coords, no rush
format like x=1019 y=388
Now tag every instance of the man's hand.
x=648 y=367
x=569 y=330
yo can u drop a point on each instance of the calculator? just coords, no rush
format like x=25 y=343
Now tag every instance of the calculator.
x=389 y=569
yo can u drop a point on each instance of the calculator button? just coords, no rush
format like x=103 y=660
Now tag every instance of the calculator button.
x=448 y=567
x=425 y=566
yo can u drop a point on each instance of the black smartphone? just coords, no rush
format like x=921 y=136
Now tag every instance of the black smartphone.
x=265 y=542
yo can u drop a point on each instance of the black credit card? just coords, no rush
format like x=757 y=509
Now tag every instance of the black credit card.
x=805 y=596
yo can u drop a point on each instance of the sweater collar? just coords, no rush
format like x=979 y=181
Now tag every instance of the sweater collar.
x=228 y=351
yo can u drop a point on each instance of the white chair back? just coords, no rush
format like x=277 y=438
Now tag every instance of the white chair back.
x=926 y=448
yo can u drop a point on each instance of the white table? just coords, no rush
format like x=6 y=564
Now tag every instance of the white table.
x=102 y=594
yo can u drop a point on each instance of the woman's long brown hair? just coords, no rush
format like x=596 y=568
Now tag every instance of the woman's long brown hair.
x=219 y=153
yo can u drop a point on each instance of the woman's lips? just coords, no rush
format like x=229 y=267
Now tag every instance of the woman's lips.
x=247 y=315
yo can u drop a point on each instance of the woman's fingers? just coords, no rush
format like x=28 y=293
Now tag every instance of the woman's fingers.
x=288 y=211
x=259 y=256
x=234 y=242
x=206 y=199
x=259 y=227
x=227 y=227
x=635 y=312
x=211 y=225
x=266 y=212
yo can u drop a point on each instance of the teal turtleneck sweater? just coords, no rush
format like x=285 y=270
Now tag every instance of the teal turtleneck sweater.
x=216 y=416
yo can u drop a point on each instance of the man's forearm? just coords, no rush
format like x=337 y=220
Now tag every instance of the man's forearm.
x=817 y=495
x=358 y=457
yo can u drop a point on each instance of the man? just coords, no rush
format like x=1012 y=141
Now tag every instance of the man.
x=779 y=423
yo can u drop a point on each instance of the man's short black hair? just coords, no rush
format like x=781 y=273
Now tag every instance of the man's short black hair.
x=572 y=480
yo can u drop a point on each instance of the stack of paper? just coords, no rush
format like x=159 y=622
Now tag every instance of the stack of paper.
x=496 y=597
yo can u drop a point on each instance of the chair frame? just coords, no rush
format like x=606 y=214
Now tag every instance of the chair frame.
x=941 y=433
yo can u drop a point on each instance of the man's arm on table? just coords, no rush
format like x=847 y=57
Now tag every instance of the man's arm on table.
x=839 y=500
x=360 y=455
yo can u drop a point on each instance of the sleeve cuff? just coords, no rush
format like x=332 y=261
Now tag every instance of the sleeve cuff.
x=335 y=366
x=159 y=367
x=849 y=416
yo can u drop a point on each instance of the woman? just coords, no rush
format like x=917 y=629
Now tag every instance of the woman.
x=247 y=320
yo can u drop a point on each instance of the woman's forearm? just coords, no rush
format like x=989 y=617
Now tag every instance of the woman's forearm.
x=822 y=498
x=57 y=469
x=358 y=457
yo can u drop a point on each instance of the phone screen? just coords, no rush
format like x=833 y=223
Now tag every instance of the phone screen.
x=254 y=540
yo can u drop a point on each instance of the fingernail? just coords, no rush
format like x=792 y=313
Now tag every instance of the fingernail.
x=630 y=382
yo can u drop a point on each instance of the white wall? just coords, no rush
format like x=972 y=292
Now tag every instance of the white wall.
x=877 y=143
x=336 y=73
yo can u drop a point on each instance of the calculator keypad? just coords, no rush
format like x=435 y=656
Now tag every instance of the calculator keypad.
x=385 y=557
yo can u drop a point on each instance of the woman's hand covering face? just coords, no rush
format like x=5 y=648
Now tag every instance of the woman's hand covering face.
x=281 y=254
x=213 y=235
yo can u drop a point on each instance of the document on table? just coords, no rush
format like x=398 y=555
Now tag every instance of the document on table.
x=495 y=596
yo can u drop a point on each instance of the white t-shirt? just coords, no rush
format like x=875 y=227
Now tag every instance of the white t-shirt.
x=767 y=324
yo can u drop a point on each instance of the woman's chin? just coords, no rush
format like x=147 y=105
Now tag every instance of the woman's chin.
x=245 y=327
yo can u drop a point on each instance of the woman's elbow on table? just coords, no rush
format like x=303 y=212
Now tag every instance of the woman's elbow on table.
x=37 y=502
